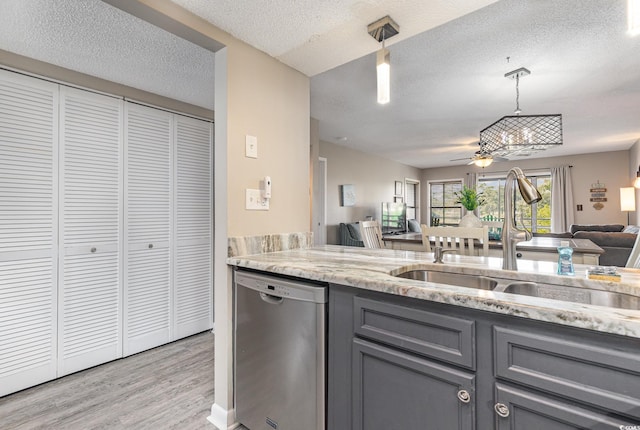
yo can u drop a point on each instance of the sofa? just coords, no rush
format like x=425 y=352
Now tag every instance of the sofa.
x=349 y=234
x=615 y=239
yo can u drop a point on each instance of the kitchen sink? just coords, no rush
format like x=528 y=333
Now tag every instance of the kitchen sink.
x=572 y=294
x=469 y=281
x=533 y=289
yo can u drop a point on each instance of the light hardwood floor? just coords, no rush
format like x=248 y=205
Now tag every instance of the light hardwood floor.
x=169 y=387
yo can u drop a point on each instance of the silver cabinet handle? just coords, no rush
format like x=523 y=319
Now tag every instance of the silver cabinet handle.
x=94 y=249
x=501 y=409
x=464 y=396
x=150 y=245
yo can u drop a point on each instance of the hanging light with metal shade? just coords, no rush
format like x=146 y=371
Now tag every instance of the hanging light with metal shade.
x=521 y=135
x=381 y=30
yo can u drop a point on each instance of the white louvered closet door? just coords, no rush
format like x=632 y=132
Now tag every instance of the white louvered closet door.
x=90 y=194
x=148 y=137
x=193 y=262
x=28 y=230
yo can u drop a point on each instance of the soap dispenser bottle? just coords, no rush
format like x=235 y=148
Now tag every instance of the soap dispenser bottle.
x=565 y=259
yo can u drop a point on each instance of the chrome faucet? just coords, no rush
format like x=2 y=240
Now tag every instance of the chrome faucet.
x=438 y=253
x=511 y=235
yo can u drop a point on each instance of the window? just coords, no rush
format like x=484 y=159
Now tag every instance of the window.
x=412 y=198
x=443 y=209
x=536 y=217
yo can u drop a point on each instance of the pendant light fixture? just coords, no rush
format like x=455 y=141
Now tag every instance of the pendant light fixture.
x=521 y=135
x=633 y=17
x=381 y=30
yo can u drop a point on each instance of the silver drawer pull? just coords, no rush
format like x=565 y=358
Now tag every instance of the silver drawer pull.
x=150 y=245
x=464 y=396
x=94 y=249
x=501 y=409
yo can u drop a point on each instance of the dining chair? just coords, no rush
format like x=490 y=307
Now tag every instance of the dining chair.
x=634 y=257
x=467 y=240
x=371 y=234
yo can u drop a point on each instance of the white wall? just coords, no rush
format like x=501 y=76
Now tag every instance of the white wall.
x=610 y=168
x=374 y=179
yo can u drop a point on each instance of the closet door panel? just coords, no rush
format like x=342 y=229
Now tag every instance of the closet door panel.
x=148 y=302
x=90 y=187
x=28 y=230
x=193 y=281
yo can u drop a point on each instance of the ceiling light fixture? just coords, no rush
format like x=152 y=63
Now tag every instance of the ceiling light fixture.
x=636 y=183
x=483 y=161
x=633 y=17
x=381 y=30
x=521 y=135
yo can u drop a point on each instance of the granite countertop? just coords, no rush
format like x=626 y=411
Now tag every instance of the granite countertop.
x=375 y=269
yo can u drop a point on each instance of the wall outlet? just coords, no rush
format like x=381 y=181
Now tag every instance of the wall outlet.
x=255 y=201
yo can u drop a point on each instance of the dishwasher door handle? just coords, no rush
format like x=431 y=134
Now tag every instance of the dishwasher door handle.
x=273 y=300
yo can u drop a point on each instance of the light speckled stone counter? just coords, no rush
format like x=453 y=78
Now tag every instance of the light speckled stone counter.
x=374 y=269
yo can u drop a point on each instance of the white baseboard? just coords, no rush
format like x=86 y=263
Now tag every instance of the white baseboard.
x=223 y=419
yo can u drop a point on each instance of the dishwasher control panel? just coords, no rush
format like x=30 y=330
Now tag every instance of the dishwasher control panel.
x=281 y=287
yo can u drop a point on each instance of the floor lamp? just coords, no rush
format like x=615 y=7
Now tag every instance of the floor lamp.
x=627 y=200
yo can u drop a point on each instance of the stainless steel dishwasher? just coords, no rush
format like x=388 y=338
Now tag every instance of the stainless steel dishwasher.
x=280 y=353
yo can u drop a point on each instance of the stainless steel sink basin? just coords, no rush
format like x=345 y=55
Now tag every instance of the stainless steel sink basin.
x=556 y=292
x=469 y=281
x=574 y=295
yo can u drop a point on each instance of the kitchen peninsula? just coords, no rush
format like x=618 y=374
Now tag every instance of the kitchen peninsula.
x=538 y=248
x=404 y=352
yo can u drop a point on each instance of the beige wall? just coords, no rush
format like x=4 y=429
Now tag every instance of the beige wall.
x=272 y=105
x=373 y=177
x=609 y=168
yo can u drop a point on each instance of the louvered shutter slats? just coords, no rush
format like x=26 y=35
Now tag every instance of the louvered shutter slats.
x=28 y=142
x=90 y=292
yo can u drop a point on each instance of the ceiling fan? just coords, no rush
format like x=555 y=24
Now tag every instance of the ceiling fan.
x=481 y=158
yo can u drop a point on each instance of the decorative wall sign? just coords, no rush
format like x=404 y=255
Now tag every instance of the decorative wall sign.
x=598 y=195
x=347 y=195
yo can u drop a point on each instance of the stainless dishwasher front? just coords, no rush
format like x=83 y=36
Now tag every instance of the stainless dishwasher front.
x=280 y=353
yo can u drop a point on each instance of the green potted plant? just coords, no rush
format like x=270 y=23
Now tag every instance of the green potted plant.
x=470 y=199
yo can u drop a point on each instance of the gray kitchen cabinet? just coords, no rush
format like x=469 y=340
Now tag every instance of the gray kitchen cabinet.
x=395 y=390
x=394 y=358
x=518 y=409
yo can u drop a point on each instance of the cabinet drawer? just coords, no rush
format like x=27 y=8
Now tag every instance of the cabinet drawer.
x=426 y=333
x=606 y=378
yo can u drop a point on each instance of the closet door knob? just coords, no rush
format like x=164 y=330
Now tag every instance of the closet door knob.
x=150 y=245
x=94 y=249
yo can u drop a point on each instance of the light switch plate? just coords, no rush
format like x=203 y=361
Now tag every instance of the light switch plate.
x=255 y=201
x=251 y=146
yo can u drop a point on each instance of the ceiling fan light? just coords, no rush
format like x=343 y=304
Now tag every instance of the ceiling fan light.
x=383 y=72
x=483 y=162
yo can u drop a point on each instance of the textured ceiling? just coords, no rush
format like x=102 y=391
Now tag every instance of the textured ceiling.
x=313 y=36
x=448 y=64
x=95 y=38
x=448 y=83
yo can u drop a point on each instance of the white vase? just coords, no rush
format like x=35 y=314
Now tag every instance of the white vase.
x=470 y=220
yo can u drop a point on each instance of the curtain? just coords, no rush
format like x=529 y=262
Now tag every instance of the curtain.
x=561 y=199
